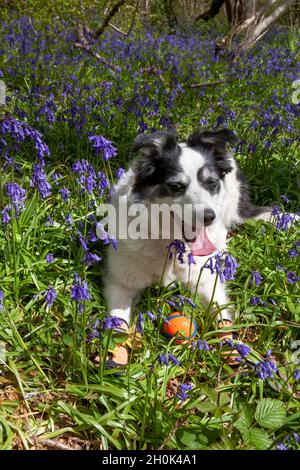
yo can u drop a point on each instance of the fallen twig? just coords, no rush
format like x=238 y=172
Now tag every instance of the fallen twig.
x=202 y=85
x=54 y=444
x=89 y=50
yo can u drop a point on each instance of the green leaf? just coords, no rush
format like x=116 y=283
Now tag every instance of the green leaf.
x=246 y=419
x=257 y=438
x=68 y=339
x=194 y=439
x=270 y=413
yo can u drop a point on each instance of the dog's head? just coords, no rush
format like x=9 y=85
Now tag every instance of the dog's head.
x=168 y=169
x=191 y=173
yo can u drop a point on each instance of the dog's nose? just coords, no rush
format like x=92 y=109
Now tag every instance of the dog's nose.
x=209 y=216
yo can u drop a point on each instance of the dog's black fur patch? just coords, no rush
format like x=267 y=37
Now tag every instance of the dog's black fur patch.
x=209 y=179
x=158 y=164
x=214 y=146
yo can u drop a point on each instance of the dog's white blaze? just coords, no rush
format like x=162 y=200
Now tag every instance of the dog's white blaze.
x=192 y=161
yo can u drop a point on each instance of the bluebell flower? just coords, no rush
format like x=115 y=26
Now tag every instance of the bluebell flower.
x=69 y=221
x=297 y=375
x=100 y=144
x=56 y=176
x=174 y=360
x=65 y=193
x=83 y=242
x=231 y=266
x=111 y=322
x=292 y=278
x=20 y=131
x=50 y=296
x=49 y=221
x=179 y=248
x=189 y=301
x=285 y=198
x=296 y=437
x=256 y=277
x=93 y=236
x=39 y=181
x=87 y=177
x=202 y=345
x=181 y=300
x=227 y=342
x=120 y=172
x=183 y=388
x=5 y=216
x=283 y=220
x=151 y=315
x=140 y=322
x=79 y=167
x=80 y=292
x=255 y=300
x=91 y=258
x=114 y=243
x=1 y=299
x=226 y=269
x=268 y=353
x=266 y=369
x=191 y=259
x=281 y=446
x=17 y=196
x=163 y=360
x=293 y=253
x=252 y=148
x=49 y=258
x=243 y=350
x=103 y=185
x=94 y=333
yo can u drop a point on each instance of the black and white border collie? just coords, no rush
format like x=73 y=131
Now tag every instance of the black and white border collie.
x=201 y=171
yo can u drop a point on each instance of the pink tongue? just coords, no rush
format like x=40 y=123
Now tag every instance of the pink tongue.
x=202 y=246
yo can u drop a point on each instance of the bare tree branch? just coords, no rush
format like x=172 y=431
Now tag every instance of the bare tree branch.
x=83 y=43
x=85 y=36
x=108 y=17
x=131 y=24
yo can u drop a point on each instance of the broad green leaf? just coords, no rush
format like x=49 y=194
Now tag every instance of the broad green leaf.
x=195 y=438
x=246 y=419
x=257 y=439
x=270 y=413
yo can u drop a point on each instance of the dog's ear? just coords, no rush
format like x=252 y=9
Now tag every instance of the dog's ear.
x=213 y=140
x=214 y=145
x=158 y=157
x=155 y=144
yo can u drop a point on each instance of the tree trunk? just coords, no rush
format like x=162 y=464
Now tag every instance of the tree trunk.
x=263 y=26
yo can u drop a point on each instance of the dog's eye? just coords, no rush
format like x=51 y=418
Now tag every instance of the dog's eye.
x=176 y=186
x=212 y=182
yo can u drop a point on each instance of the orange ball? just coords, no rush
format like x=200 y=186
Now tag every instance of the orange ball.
x=177 y=324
